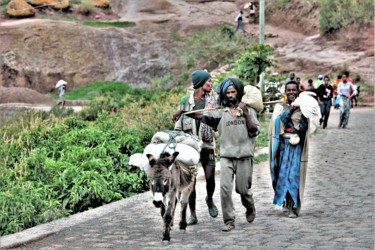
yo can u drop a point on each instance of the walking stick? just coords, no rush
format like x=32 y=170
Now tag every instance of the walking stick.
x=272 y=102
x=214 y=142
x=220 y=107
x=201 y=110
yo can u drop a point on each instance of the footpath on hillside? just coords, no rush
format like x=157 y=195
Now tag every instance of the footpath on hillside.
x=337 y=212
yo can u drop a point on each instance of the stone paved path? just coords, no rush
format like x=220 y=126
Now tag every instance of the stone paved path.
x=337 y=213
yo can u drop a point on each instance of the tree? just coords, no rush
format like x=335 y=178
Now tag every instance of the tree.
x=255 y=60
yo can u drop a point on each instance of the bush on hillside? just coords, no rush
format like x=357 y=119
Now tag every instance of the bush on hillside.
x=208 y=48
x=335 y=14
x=254 y=61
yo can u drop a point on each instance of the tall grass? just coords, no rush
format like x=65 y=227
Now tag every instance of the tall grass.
x=338 y=14
x=210 y=47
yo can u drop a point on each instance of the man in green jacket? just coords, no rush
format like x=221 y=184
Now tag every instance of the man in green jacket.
x=201 y=97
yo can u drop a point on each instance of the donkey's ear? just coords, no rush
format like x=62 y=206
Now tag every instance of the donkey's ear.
x=165 y=155
x=174 y=156
x=151 y=159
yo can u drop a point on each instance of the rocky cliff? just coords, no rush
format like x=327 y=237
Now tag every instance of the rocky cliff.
x=37 y=53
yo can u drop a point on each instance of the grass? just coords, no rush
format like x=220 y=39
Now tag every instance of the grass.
x=260 y=158
x=95 y=89
x=262 y=139
x=108 y=24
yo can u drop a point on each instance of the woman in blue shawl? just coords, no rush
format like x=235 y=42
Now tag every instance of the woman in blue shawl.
x=288 y=135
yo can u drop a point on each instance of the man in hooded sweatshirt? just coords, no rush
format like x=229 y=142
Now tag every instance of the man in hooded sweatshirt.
x=238 y=127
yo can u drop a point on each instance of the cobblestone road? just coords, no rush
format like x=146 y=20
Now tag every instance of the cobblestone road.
x=337 y=213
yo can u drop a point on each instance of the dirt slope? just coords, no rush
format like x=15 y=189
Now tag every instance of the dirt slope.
x=303 y=52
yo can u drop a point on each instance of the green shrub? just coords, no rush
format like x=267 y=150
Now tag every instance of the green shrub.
x=199 y=50
x=26 y=204
x=58 y=163
x=228 y=31
x=253 y=62
x=337 y=14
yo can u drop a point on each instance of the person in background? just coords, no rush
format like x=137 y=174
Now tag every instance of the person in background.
x=310 y=85
x=298 y=80
x=319 y=81
x=301 y=87
x=61 y=91
x=238 y=127
x=288 y=158
x=354 y=91
x=291 y=77
x=353 y=100
x=348 y=78
x=345 y=89
x=325 y=94
x=202 y=97
x=252 y=14
x=240 y=24
x=335 y=87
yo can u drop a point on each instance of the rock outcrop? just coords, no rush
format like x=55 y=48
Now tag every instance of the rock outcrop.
x=101 y=3
x=19 y=8
x=56 y=4
x=23 y=8
x=38 y=53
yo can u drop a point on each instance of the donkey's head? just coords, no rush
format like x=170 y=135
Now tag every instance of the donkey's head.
x=160 y=175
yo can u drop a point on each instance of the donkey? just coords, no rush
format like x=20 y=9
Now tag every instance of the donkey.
x=170 y=181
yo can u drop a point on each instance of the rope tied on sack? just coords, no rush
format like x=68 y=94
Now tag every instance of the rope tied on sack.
x=172 y=142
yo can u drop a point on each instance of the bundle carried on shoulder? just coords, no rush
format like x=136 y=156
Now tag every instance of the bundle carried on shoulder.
x=253 y=98
x=171 y=141
x=308 y=104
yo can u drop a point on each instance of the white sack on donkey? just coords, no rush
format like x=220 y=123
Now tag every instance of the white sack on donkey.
x=188 y=146
x=187 y=155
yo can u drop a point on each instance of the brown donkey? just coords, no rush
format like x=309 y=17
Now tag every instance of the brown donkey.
x=170 y=180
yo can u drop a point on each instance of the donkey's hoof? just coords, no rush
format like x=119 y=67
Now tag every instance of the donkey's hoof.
x=183 y=225
x=166 y=236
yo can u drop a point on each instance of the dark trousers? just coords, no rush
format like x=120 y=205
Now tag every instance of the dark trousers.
x=207 y=159
x=325 y=109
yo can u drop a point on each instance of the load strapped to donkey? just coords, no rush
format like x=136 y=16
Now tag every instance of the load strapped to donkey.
x=170 y=141
x=170 y=162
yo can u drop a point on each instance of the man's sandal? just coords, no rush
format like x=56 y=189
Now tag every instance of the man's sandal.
x=212 y=209
x=192 y=220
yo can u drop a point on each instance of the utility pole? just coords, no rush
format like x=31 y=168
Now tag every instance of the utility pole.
x=261 y=39
x=261 y=21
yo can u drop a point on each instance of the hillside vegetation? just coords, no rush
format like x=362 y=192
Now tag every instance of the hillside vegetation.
x=331 y=18
x=58 y=163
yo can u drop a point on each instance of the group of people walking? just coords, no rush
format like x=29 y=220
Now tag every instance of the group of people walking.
x=342 y=94
x=238 y=127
